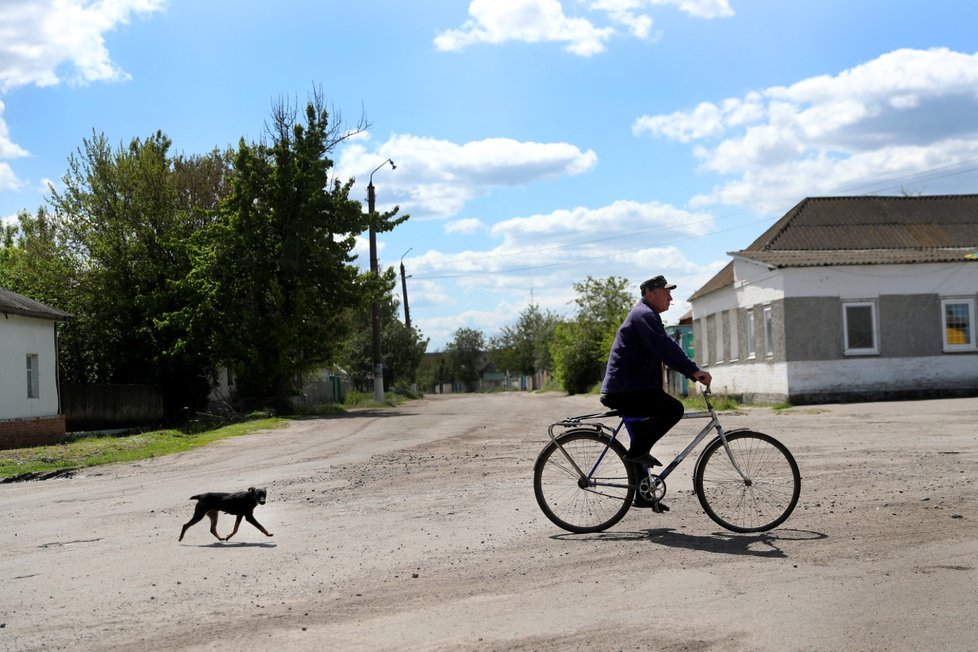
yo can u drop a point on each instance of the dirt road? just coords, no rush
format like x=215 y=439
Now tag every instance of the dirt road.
x=415 y=528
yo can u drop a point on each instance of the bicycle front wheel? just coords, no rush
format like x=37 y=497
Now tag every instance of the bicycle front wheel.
x=591 y=497
x=759 y=500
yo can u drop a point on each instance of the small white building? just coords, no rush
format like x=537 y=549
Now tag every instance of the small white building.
x=30 y=404
x=848 y=298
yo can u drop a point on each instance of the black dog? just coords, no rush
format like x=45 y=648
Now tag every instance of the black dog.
x=241 y=504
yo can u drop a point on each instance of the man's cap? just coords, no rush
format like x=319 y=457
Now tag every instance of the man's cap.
x=657 y=283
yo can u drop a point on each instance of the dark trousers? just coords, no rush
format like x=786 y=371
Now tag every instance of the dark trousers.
x=664 y=412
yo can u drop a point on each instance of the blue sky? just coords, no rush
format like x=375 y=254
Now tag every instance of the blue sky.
x=537 y=141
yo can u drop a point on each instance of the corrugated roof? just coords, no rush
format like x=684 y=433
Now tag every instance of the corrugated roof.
x=868 y=230
x=12 y=303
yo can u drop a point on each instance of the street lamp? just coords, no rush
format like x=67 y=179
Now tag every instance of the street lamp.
x=407 y=311
x=375 y=308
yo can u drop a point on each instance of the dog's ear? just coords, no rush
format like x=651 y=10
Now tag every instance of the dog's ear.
x=251 y=490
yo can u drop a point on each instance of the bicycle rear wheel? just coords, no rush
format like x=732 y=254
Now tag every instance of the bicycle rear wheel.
x=579 y=504
x=761 y=502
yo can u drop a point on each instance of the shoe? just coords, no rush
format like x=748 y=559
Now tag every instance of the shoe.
x=656 y=507
x=645 y=459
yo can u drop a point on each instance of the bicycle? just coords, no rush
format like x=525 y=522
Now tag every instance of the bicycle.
x=746 y=481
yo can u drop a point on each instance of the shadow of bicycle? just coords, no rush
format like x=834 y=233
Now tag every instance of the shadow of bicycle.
x=764 y=544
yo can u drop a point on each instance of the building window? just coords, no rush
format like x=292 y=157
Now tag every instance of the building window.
x=959 y=324
x=734 y=344
x=859 y=324
x=751 y=348
x=704 y=351
x=719 y=337
x=768 y=333
x=33 y=385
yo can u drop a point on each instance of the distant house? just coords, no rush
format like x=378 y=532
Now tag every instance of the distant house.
x=682 y=333
x=848 y=298
x=30 y=408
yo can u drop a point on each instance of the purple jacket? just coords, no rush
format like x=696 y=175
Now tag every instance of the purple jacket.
x=641 y=347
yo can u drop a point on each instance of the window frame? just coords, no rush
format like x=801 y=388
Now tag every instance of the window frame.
x=33 y=376
x=718 y=338
x=751 y=334
x=768 y=332
x=972 y=344
x=847 y=348
x=703 y=352
x=734 y=328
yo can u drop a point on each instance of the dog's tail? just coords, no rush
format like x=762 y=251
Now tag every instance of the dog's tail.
x=197 y=497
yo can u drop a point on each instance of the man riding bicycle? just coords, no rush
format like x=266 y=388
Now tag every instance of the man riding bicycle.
x=633 y=379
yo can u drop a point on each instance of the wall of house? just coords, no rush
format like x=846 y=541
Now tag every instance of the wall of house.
x=761 y=377
x=877 y=378
x=20 y=336
x=809 y=363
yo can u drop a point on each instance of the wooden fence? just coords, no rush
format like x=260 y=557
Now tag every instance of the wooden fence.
x=104 y=407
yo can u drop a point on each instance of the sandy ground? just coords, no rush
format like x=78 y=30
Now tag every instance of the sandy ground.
x=415 y=528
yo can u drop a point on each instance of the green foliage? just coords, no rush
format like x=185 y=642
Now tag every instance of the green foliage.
x=576 y=357
x=402 y=348
x=525 y=347
x=173 y=266
x=121 y=238
x=433 y=371
x=580 y=347
x=274 y=281
x=720 y=402
x=35 y=262
x=92 y=451
x=465 y=357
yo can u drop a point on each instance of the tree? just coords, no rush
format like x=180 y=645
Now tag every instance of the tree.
x=120 y=221
x=35 y=262
x=277 y=267
x=464 y=356
x=525 y=346
x=403 y=348
x=580 y=347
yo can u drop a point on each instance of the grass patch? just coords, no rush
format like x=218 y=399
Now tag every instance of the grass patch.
x=93 y=451
x=355 y=399
x=720 y=402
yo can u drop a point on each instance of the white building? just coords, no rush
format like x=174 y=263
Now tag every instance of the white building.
x=848 y=298
x=30 y=410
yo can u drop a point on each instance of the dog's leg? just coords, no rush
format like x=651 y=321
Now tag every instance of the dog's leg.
x=213 y=514
x=198 y=514
x=251 y=519
x=237 y=522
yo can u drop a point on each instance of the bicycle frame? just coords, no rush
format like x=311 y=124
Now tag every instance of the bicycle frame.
x=586 y=479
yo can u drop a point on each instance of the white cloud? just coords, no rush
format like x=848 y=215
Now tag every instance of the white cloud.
x=46 y=42
x=622 y=218
x=8 y=149
x=542 y=250
x=550 y=290
x=537 y=259
x=700 y=8
x=886 y=118
x=435 y=178
x=547 y=21
x=531 y=21
x=8 y=180
x=466 y=226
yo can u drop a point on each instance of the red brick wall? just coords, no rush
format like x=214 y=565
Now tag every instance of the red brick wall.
x=21 y=433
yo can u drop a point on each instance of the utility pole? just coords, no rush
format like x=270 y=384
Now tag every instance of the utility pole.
x=407 y=310
x=378 y=359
